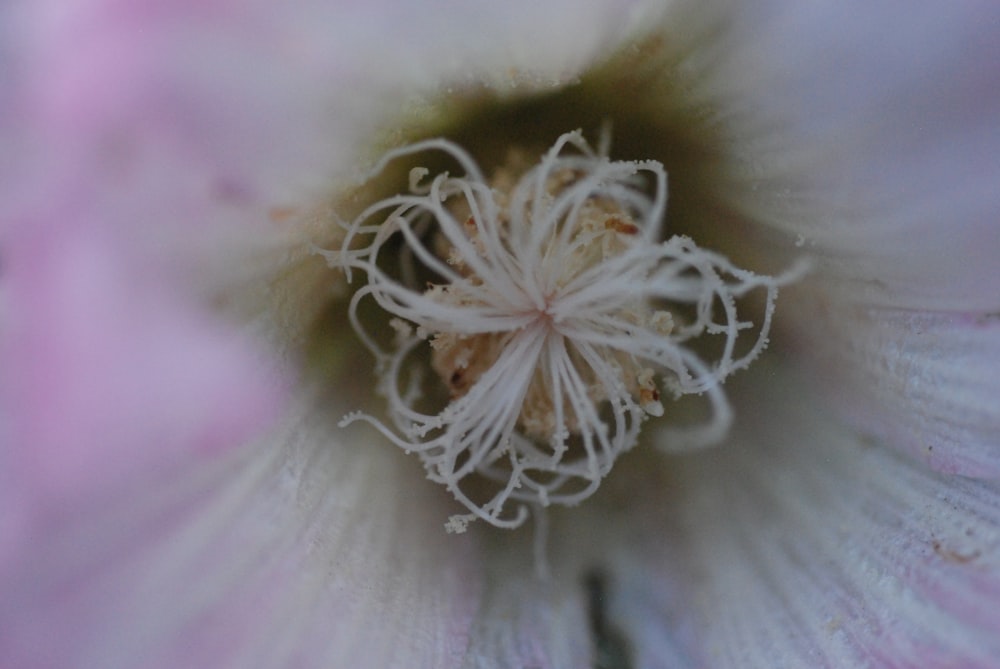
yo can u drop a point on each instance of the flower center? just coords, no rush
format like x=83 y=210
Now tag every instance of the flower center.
x=554 y=309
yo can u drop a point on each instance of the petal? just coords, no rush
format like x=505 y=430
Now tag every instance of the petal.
x=304 y=551
x=805 y=543
x=109 y=377
x=926 y=383
x=869 y=133
x=266 y=104
x=526 y=619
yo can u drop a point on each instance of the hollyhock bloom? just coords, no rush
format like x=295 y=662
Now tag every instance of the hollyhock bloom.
x=175 y=355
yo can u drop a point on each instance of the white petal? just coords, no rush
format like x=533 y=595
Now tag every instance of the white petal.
x=804 y=544
x=926 y=383
x=870 y=135
x=526 y=621
x=310 y=551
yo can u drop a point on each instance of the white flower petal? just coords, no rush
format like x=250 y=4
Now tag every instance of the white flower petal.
x=869 y=134
x=307 y=552
x=525 y=621
x=804 y=544
x=926 y=383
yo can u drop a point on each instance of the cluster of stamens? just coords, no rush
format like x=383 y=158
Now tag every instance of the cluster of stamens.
x=555 y=316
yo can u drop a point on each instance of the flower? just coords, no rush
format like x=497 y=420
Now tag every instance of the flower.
x=176 y=490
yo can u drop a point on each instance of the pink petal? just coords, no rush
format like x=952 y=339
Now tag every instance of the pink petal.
x=926 y=383
x=262 y=103
x=303 y=551
x=803 y=543
x=868 y=134
x=109 y=377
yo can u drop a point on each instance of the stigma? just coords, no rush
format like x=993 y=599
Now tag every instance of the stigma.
x=537 y=319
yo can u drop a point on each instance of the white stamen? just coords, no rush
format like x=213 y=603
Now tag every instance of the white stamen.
x=556 y=317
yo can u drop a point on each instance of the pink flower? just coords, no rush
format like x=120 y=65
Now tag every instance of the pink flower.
x=174 y=358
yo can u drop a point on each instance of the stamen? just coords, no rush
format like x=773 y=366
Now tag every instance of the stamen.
x=555 y=316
